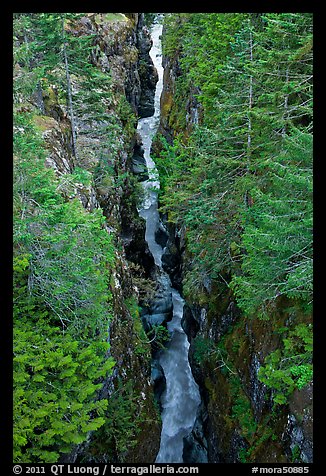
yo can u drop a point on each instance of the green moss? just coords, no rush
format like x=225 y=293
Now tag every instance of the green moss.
x=167 y=104
x=295 y=457
x=241 y=409
x=142 y=345
x=203 y=348
x=44 y=123
x=266 y=435
x=132 y=305
x=82 y=176
x=111 y=18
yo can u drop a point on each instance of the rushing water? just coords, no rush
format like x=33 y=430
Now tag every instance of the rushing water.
x=181 y=398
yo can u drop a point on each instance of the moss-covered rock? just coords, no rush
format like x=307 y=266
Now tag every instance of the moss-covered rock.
x=243 y=423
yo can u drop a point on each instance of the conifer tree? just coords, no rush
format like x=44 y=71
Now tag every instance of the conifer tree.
x=278 y=229
x=63 y=259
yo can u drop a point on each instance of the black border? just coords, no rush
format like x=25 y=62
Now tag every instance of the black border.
x=6 y=204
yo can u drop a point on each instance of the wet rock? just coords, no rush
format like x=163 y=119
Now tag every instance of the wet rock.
x=193 y=107
x=158 y=381
x=136 y=249
x=213 y=443
x=161 y=236
x=172 y=255
x=138 y=163
x=162 y=304
x=171 y=264
x=146 y=102
x=151 y=320
x=298 y=435
x=159 y=309
x=158 y=319
x=193 y=452
x=257 y=388
x=227 y=319
x=189 y=323
x=139 y=168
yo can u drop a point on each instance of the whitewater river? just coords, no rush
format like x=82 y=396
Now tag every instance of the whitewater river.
x=181 y=398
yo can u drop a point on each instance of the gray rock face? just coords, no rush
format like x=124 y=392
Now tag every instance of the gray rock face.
x=159 y=310
x=171 y=258
x=298 y=434
x=163 y=304
x=257 y=388
x=158 y=380
x=300 y=447
x=189 y=323
x=161 y=236
x=154 y=319
x=138 y=161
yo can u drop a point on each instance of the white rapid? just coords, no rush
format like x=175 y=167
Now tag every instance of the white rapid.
x=181 y=398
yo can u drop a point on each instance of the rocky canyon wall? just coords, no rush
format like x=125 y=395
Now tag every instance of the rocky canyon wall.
x=238 y=422
x=120 y=50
